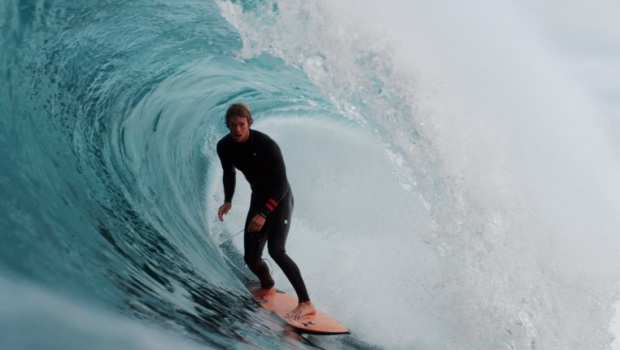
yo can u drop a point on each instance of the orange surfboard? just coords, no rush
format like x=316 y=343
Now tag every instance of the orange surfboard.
x=281 y=303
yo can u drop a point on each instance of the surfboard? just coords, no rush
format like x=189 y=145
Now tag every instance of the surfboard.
x=281 y=303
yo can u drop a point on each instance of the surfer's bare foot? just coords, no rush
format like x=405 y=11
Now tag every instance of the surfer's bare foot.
x=303 y=309
x=261 y=293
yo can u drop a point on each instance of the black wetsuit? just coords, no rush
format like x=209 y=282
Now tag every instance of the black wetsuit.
x=260 y=160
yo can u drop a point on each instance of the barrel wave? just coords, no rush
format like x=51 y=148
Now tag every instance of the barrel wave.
x=408 y=228
x=106 y=106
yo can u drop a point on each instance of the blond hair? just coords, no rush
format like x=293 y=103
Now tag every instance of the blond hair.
x=238 y=110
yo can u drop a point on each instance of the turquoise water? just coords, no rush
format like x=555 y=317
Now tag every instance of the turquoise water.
x=105 y=110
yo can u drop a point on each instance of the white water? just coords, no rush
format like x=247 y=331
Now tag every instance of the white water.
x=522 y=245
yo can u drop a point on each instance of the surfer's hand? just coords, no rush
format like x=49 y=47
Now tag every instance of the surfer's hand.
x=224 y=210
x=256 y=224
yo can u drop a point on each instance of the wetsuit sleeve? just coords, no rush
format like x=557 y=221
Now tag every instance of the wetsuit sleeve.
x=230 y=174
x=277 y=174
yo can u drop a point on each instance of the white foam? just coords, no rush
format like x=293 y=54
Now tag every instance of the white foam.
x=511 y=155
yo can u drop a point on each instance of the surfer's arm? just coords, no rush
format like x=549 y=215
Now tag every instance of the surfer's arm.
x=229 y=177
x=277 y=174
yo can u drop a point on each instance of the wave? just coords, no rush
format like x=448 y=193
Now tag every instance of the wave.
x=109 y=186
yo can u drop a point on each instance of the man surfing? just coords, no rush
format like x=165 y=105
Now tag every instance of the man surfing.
x=260 y=160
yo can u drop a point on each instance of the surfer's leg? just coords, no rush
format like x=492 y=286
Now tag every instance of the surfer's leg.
x=279 y=223
x=254 y=243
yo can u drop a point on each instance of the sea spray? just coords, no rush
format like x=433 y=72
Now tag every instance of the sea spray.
x=498 y=155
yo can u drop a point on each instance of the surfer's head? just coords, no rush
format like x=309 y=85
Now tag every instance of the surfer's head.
x=239 y=110
x=238 y=121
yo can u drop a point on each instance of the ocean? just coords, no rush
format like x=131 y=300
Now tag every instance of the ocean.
x=455 y=175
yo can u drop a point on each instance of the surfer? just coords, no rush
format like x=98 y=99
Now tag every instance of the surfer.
x=260 y=160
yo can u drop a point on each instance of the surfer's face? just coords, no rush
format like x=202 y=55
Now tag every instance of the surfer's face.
x=239 y=128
